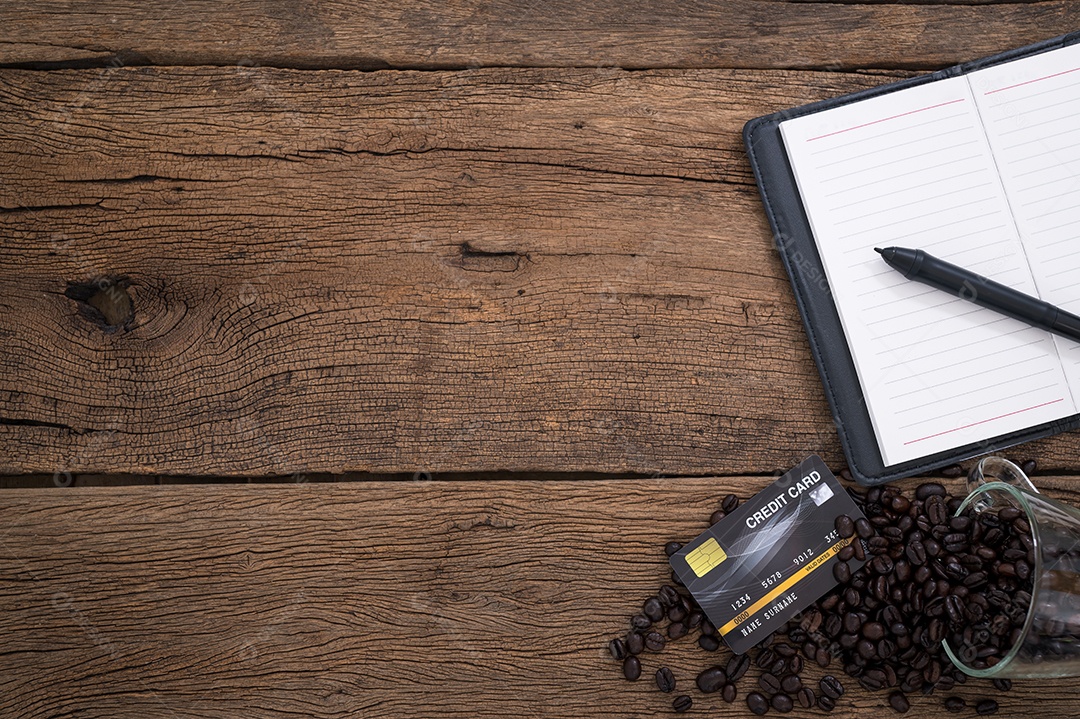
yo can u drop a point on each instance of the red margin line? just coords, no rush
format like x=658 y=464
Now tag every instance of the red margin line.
x=1028 y=82
x=984 y=421
x=884 y=119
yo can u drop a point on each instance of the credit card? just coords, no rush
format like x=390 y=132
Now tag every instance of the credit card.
x=770 y=558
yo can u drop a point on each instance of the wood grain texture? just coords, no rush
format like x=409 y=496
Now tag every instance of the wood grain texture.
x=543 y=270
x=433 y=34
x=471 y=599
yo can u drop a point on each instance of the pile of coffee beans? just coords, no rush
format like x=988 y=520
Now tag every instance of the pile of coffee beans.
x=929 y=577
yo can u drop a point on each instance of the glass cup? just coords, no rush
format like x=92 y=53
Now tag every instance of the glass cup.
x=1049 y=640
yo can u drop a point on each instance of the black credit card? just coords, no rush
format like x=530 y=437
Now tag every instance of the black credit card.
x=770 y=558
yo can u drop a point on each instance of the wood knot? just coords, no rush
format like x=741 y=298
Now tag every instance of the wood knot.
x=104 y=301
x=477 y=260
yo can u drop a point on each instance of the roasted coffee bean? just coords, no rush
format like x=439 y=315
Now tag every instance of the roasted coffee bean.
x=842 y=572
x=730 y=503
x=795 y=665
x=737 y=666
x=672 y=547
x=635 y=643
x=847 y=553
x=806 y=698
x=955 y=705
x=617 y=647
x=873 y=631
x=791 y=683
x=1003 y=685
x=653 y=609
x=681 y=704
x=654 y=641
x=823 y=658
x=694 y=620
x=766 y=658
x=665 y=680
x=711 y=680
x=929 y=489
x=631 y=668
x=826 y=704
x=916 y=552
x=668 y=596
x=677 y=613
x=899 y=702
x=707 y=627
x=640 y=621
x=769 y=683
x=782 y=703
x=831 y=687
x=677 y=630
x=882 y=564
x=863 y=528
x=757 y=703
x=729 y=693
x=845 y=526
x=936 y=511
x=708 y=642
x=717 y=516
x=986 y=706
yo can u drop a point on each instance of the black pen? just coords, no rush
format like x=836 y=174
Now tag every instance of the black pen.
x=918 y=265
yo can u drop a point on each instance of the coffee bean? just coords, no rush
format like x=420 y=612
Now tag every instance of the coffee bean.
x=640 y=621
x=842 y=572
x=677 y=613
x=929 y=489
x=676 y=630
x=729 y=693
x=795 y=665
x=986 y=706
x=845 y=526
x=617 y=647
x=635 y=643
x=1003 y=685
x=873 y=631
x=681 y=704
x=1029 y=466
x=791 y=683
x=711 y=680
x=955 y=705
x=826 y=704
x=757 y=703
x=769 y=683
x=708 y=642
x=831 y=687
x=899 y=702
x=717 y=516
x=782 y=703
x=730 y=503
x=806 y=697
x=631 y=668
x=848 y=552
x=863 y=528
x=737 y=666
x=653 y=609
x=654 y=641
x=672 y=547
x=916 y=552
x=665 y=680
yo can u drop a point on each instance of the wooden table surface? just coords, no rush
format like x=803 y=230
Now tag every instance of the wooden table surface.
x=428 y=324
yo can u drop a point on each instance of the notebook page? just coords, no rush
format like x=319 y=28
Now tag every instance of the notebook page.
x=913 y=169
x=1030 y=109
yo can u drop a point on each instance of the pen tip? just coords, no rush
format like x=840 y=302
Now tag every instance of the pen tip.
x=879 y=250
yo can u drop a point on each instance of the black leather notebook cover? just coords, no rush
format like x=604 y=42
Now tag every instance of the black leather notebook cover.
x=828 y=344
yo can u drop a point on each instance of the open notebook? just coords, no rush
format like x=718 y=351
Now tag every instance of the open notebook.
x=981 y=170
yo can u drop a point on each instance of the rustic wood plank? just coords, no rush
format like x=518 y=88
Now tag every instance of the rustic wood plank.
x=543 y=270
x=433 y=34
x=390 y=599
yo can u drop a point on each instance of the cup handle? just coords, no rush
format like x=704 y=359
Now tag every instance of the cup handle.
x=998 y=469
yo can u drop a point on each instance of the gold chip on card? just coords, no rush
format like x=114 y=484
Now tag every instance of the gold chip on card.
x=705 y=558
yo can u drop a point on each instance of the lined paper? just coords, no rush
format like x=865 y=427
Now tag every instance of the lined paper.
x=914 y=169
x=1029 y=109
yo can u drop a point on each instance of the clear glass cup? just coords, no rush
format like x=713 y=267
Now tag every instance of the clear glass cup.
x=1049 y=641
